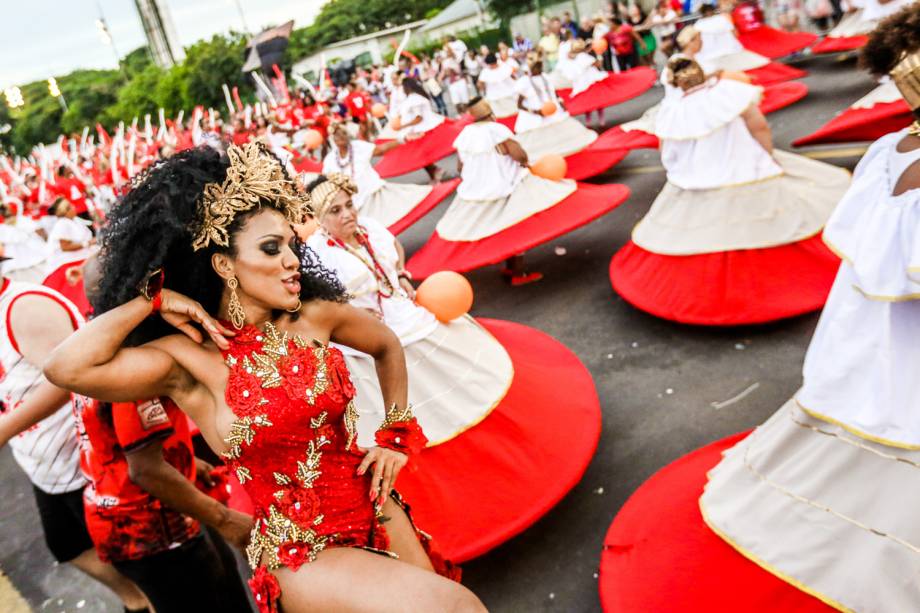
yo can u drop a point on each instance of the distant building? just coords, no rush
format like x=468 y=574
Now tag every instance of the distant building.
x=459 y=16
x=161 y=34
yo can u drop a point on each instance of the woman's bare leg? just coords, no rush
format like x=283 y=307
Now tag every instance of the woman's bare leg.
x=347 y=580
x=403 y=538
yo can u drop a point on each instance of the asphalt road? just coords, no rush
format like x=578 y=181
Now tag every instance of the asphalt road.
x=657 y=383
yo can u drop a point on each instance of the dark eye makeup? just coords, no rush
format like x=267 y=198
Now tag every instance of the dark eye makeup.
x=270 y=247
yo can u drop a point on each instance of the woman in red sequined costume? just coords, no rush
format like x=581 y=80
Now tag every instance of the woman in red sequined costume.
x=261 y=380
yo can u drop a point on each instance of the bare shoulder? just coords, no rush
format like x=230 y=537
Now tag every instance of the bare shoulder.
x=318 y=318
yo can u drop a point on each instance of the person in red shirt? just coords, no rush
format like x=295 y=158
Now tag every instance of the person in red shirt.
x=144 y=512
x=68 y=186
x=624 y=41
x=358 y=103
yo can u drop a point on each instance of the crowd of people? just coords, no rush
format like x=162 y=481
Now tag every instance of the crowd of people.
x=238 y=278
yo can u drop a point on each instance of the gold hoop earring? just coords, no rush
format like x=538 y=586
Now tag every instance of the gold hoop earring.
x=234 y=307
x=296 y=308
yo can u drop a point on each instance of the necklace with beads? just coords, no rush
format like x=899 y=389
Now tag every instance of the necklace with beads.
x=347 y=162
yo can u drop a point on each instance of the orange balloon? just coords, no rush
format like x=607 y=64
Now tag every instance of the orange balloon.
x=446 y=294
x=550 y=166
x=396 y=123
x=549 y=108
x=379 y=110
x=736 y=76
x=599 y=45
x=312 y=139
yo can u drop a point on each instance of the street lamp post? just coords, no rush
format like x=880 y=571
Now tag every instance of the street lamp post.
x=55 y=91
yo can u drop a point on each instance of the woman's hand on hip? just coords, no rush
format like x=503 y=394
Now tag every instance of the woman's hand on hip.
x=387 y=464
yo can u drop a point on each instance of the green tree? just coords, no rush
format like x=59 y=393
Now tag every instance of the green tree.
x=504 y=10
x=210 y=64
x=343 y=19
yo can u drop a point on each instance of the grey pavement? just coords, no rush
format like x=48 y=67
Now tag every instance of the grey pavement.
x=657 y=382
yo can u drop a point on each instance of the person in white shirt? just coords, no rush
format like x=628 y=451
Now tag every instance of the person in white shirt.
x=37 y=422
x=718 y=47
x=457 y=46
x=539 y=134
x=457 y=86
x=583 y=70
x=417 y=118
x=497 y=191
x=496 y=83
x=457 y=371
x=384 y=201
x=728 y=192
x=70 y=238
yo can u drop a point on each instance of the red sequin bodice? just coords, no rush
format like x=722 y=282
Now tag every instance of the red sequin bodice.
x=291 y=448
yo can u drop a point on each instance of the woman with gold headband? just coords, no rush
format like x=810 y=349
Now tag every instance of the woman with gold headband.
x=395 y=205
x=205 y=298
x=458 y=372
x=734 y=218
x=823 y=494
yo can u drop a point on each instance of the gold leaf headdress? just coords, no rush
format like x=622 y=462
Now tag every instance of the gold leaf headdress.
x=253 y=176
x=324 y=193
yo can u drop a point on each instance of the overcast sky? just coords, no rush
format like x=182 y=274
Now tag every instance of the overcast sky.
x=43 y=38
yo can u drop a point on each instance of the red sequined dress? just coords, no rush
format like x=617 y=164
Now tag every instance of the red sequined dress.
x=292 y=448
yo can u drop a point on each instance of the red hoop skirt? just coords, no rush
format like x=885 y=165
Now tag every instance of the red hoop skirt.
x=659 y=556
x=495 y=480
x=773 y=43
x=856 y=125
x=606 y=152
x=616 y=88
x=839 y=44
x=414 y=155
x=438 y=193
x=774 y=72
x=727 y=288
x=585 y=205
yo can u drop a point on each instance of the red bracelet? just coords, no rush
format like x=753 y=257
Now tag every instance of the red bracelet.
x=151 y=288
x=157 y=301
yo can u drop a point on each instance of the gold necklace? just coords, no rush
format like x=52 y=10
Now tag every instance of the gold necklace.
x=914 y=129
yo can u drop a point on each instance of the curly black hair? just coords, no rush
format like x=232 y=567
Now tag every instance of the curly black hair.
x=893 y=37
x=152 y=227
